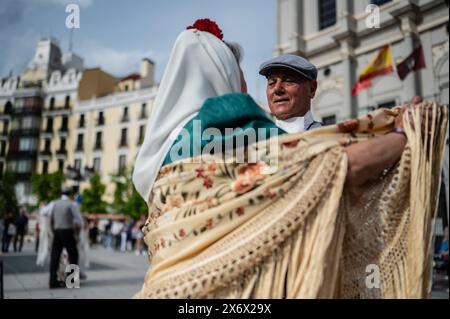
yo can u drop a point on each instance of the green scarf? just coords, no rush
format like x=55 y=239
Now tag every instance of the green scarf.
x=234 y=110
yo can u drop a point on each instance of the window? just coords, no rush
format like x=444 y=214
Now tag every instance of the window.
x=23 y=166
x=3 y=149
x=126 y=87
x=47 y=145
x=141 y=134
x=387 y=105
x=8 y=107
x=63 y=144
x=329 y=120
x=327 y=13
x=96 y=164
x=123 y=137
x=80 y=142
x=81 y=121
x=122 y=162
x=27 y=122
x=52 y=103
x=1 y=169
x=380 y=2
x=60 y=165
x=27 y=144
x=67 y=102
x=44 y=167
x=101 y=119
x=144 y=110
x=98 y=141
x=125 y=114
x=49 y=128
x=77 y=164
x=64 y=125
x=5 y=127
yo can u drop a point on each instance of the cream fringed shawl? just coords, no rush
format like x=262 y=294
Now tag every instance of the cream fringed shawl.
x=229 y=230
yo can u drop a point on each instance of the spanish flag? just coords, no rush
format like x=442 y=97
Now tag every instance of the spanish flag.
x=381 y=65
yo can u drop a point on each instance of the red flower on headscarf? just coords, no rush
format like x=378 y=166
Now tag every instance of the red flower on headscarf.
x=208 y=26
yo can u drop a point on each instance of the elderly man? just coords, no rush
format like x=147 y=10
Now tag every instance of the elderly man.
x=291 y=84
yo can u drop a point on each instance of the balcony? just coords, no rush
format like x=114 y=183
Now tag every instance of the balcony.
x=61 y=152
x=16 y=154
x=48 y=130
x=23 y=176
x=63 y=129
x=98 y=147
x=26 y=111
x=79 y=148
x=123 y=143
x=24 y=132
x=46 y=152
x=125 y=119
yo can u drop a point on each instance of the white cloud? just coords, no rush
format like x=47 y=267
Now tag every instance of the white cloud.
x=117 y=62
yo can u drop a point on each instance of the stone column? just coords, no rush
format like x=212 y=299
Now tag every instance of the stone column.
x=411 y=84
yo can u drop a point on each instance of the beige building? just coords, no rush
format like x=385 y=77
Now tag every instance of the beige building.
x=57 y=115
x=109 y=131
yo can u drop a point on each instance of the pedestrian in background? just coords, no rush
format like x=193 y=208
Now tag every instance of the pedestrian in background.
x=21 y=229
x=63 y=223
x=9 y=231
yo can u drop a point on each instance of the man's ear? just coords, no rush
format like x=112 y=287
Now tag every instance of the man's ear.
x=313 y=88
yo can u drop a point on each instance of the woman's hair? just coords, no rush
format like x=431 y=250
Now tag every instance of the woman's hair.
x=236 y=49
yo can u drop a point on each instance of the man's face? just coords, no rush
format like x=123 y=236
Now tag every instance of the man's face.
x=288 y=93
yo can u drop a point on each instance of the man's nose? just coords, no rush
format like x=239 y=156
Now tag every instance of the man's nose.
x=279 y=88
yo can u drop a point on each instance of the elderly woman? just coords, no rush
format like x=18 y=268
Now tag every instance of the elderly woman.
x=257 y=213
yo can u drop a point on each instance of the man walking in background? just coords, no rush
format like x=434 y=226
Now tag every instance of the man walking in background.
x=63 y=222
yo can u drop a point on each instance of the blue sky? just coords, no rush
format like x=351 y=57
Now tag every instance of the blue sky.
x=116 y=34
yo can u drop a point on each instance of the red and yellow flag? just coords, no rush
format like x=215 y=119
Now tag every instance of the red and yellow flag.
x=381 y=65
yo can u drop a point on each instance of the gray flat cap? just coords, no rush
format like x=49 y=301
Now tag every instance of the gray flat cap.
x=293 y=62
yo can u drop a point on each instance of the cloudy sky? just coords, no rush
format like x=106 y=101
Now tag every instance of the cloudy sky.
x=115 y=35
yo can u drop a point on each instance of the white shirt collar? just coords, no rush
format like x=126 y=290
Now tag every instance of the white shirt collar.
x=295 y=124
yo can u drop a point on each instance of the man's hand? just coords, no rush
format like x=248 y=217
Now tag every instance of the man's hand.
x=425 y=113
x=367 y=159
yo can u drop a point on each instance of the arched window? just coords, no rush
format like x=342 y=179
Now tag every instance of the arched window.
x=67 y=102
x=52 y=103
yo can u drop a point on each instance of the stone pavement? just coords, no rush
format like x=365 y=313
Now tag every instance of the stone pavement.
x=112 y=275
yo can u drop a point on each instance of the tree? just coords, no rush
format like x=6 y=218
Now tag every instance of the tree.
x=8 y=199
x=92 y=197
x=126 y=199
x=47 y=187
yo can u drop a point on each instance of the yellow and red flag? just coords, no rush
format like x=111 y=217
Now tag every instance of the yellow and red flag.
x=381 y=65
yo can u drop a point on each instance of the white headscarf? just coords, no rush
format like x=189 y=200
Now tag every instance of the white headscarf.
x=200 y=66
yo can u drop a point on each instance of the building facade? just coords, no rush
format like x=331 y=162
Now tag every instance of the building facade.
x=340 y=38
x=109 y=131
x=57 y=115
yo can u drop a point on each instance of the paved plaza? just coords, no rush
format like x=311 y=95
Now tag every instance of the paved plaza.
x=112 y=274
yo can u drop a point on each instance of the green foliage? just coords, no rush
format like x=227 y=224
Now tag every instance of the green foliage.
x=8 y=199
x=126 y=199
x=92 y=197
x=47 y=187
